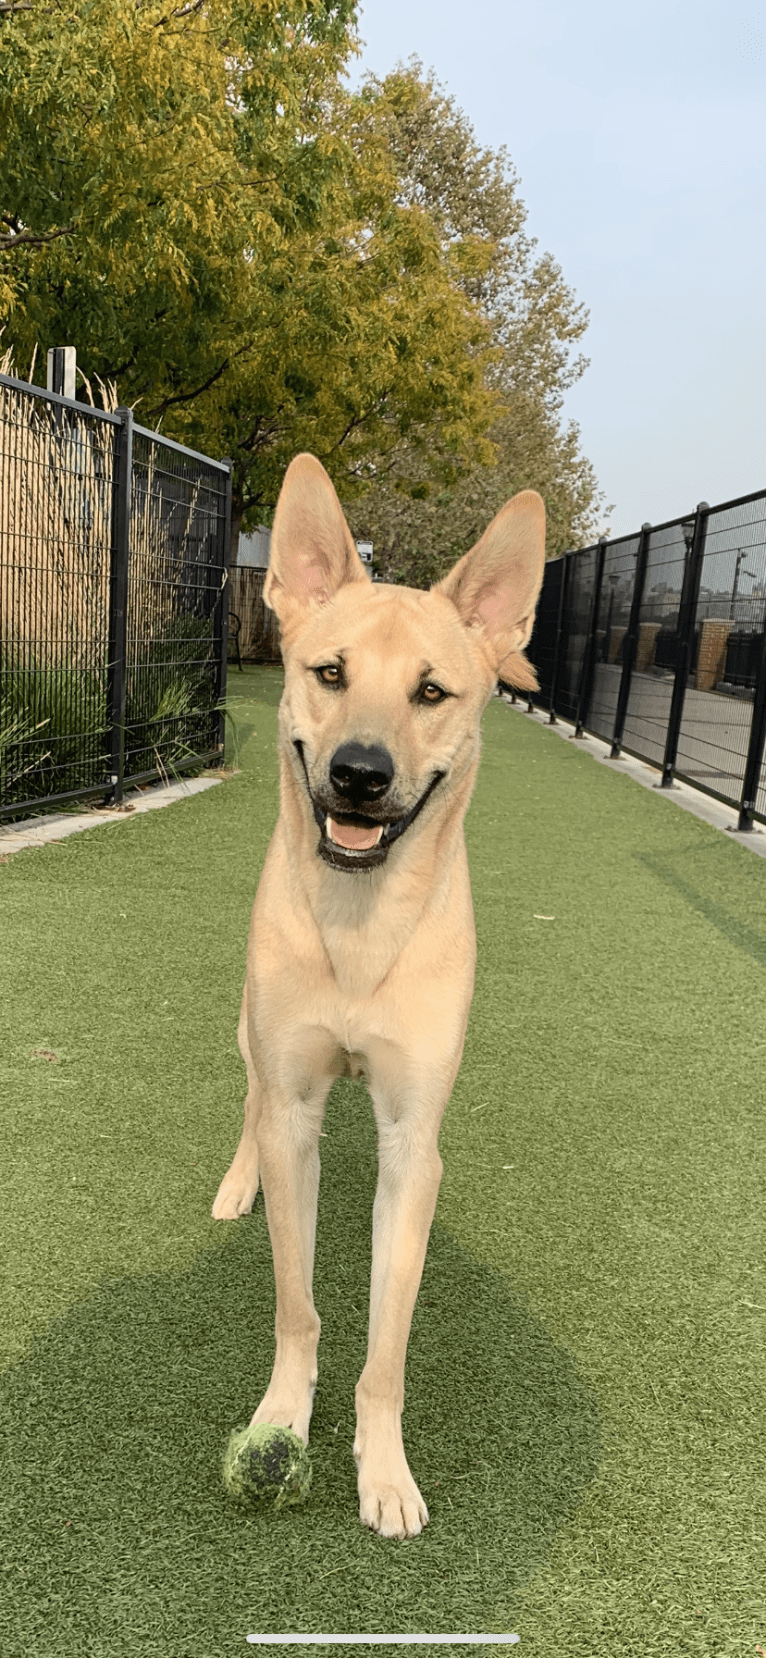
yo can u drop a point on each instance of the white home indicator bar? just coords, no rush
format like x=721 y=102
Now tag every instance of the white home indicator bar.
x=384 y=1640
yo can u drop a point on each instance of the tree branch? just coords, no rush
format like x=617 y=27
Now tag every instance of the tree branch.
x=262 y=431
x=181 y=12
x=189 y=396
x=252 y=501
x=241 y=184
x=358 y=420
x=35 y=239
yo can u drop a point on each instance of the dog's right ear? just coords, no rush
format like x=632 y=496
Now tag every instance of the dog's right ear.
x=495 y=587
x=312 y=551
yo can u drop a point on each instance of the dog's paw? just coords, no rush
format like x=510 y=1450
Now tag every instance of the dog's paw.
x=392 y=1506
x=236 y=1193
x=286 y=1413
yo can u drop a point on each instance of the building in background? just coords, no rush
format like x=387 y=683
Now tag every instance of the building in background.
x=253 y=550
x=253 y=628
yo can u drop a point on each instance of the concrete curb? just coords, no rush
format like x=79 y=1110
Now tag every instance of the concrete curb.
x=41 y=831
x=691 y=800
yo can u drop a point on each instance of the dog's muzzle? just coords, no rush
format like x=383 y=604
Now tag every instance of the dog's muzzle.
x=390 y=830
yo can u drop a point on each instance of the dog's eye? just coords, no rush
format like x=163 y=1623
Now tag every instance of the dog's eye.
x=432 y=693
x=329 y=674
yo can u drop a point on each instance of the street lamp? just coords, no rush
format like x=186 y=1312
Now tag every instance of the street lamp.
x=742 y=552
x=687 y=530
x=614 y=576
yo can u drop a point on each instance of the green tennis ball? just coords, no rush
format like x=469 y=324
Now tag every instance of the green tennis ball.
x=266 y=1466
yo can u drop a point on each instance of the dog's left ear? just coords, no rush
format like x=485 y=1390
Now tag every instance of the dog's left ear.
x=312 y=552
x=495 y=587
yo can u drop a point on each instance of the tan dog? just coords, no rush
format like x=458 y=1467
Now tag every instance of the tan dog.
x=362 y=945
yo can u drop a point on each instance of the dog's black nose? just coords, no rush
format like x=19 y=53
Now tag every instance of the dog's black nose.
x=361 y=774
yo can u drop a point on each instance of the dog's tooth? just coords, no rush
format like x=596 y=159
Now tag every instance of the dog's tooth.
x=380 y=832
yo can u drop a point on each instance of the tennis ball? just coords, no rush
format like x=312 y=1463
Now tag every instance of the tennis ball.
x=266 y=1466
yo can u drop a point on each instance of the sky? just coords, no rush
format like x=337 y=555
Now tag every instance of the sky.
x=639 y=138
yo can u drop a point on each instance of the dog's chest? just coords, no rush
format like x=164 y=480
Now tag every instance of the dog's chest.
x=361 y=958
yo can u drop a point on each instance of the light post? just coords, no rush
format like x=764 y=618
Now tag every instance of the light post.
x=742 y=552
x=607 y=646
x=687 y=530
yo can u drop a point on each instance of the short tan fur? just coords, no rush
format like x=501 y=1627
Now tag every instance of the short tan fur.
x=362 y=948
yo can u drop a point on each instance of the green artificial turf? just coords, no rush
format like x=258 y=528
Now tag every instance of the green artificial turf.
x=585 y=1405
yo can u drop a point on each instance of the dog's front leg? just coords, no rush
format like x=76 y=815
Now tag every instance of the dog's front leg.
x=238 y=1189
x=410 y=1170
x=288 y=1145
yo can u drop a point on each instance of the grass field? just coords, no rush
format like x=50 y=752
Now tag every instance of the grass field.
x=585 y=1407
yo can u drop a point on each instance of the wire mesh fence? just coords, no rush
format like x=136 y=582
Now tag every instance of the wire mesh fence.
x=617 y=585
x=175 y=648
x=114 y=547
x=656 y=643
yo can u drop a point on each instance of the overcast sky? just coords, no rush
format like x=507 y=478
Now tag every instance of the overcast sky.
x=639 y=137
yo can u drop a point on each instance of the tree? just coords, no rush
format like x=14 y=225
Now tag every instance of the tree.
x=190 y=198
x=419 y=516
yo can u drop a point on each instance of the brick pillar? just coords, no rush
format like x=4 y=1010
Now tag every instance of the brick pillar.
x=711 y=659
x=647 y=639
x=617 y=636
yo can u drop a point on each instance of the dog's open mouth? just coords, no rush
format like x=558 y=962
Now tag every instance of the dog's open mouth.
x=351 y=840
x=353 y=837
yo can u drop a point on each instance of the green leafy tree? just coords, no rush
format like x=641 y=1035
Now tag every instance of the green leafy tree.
x=190 y=198
x=419 y=513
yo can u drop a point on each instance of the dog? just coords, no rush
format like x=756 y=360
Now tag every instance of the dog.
x=362 y=947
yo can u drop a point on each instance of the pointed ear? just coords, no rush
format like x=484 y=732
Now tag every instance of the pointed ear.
x=495 y=587
x=312 y=552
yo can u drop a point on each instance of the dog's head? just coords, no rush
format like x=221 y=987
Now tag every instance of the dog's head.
x=384 y=685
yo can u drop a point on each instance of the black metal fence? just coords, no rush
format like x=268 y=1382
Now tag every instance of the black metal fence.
x=656 y=642
x=114 y=552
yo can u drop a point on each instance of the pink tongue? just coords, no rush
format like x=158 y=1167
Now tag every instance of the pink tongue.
x=353 y=837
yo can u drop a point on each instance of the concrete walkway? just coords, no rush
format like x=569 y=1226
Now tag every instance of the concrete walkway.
x=40 y=831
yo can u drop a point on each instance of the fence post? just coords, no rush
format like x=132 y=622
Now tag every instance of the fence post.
x=552 y=720
x=755 y=746
x=222 y=612
x=630 y=643
x=62 y=370
x=686 y=613
x=559 y=635
x=118 y=599
x=589 y=659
